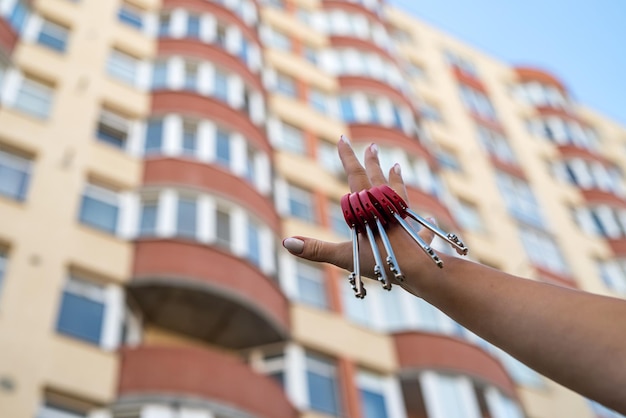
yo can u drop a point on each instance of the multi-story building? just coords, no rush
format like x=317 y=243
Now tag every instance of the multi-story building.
x=153 y=154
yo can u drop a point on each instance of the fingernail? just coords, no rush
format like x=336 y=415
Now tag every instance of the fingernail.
x=345 y=139
x=374 y=149
x=293 y=245
x=397 y=169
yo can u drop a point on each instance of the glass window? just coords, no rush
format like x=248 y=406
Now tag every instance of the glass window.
x=478 y=103
x=122 y=66
x=154 y=137
x=191 y=75
x=222 y=150
x=347 y=110
x=190 y=137
x=186 y=217
x=321 y=375
x=165 y=21
x=54 y=411
x=18 y=16
x=99 y=208
x=15 y=172
x=496 y=145
x=130 y=15
x=543 y=250
x=148 y=222
x=81 y=314
x=373 y=403
x=112 y=128
x=34 y=98
x=310 y=281
x=193 y=26
x=301 y=204
x=159 y=75
x=220 y=38
x=468 y=216
x=254 y=242
x=337 y=221
x=222 y=227
x=519 y=199
x=318 y=100
x=221 y=85
x=292 y=139
x=53 y=36
x=286 y=85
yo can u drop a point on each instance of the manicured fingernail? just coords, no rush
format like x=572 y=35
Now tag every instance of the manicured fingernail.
x=397 y=169
x=293 y=245
x=374 y=149
x=345 y=139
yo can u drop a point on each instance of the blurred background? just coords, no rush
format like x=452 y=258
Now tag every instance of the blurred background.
x=153 y=155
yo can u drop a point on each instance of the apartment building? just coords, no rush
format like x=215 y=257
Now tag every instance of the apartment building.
x=153 y=154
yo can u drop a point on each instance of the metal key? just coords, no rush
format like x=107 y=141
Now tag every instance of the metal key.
x=355 y=275
x=369 y=203
x=362 y=219
x=423 y=245
x=453 y=239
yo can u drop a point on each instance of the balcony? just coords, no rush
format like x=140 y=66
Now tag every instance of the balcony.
x=526 y=74
x=389 y=136
x=207 y=293
x=223 y=381
x=212 y=178
x=418 y=351
x=376 y=87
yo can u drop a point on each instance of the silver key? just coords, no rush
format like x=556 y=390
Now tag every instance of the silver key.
x=454 y=240
x=391 y=257
x=355 y=276
x=427 y=248
x=379 y=269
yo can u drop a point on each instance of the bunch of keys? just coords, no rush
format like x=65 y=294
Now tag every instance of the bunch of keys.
x=369 y=212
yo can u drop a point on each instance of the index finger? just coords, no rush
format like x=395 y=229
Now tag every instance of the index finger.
x=357 y=176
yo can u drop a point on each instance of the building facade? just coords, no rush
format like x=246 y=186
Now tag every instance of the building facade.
x=153 y=154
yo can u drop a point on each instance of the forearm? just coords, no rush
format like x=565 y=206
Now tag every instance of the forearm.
x=552 y=329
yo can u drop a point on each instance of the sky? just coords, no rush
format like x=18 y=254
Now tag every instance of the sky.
x=582 y=43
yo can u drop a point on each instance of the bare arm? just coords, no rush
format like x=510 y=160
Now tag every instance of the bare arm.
x=575 y=338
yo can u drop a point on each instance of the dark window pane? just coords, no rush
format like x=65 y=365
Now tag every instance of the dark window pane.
x=81 y=318
x=322 y=393
x=373 y=404
x=186 y=223
x=154 y=135
x=13 y=182
x=148 y=219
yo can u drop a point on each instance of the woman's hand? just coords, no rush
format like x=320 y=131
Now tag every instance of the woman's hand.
x=340 y=254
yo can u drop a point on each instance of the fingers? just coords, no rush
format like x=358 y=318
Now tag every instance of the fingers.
x=339 y=254
x=372 y=166
x=357 y=177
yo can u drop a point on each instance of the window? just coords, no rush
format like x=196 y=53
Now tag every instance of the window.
x=122 y=66
x=190 y=137
x=519 y=199
x=613 y=274
x=159 y=75
x=301 y=204
x=191 y=75
x=186 y=217
x=477 y=103
x=53 y=36
x=193 y=26
x=286 y=85
x=221 y=85
x=15 y=172
x=99 y=208
x=496 y=145
x=372 y=395
x=220 y=36
x=82 y=310
x=463 y=64
x=34 y=98
x=165 y=21
x=468 y=216
x=542 y=250
x=222 y=227
x=130 y=16
x=113 y=128
x=448 y=159
x=275 y=39
x=310 y=283
x=222 y=148
x=337 y=221
x=321 y=376
x=318 y=100
x=54 y=410
x=154 y=137
x=18 y=16
x=347 y=109
x=292 y=139
x=148 y=222
x=254 y=242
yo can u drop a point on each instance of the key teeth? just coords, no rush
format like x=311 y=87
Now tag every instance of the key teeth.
x=461 y=249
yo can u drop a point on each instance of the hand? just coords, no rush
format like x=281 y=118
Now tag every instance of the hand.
x=413 y=262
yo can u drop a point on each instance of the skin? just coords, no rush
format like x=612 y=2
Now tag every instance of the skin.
x=575 y=338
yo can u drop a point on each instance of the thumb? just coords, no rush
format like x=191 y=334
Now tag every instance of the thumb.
x=339 y=254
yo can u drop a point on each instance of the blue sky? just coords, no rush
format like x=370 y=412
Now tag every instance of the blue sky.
x=583 y=43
